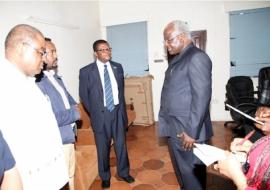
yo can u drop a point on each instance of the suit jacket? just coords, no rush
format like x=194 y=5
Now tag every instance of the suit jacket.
x=91 y=94
x=6 y=157
x=64 y=117
x=186 y=95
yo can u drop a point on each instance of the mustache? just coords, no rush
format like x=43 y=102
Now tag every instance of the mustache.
x=54 y=65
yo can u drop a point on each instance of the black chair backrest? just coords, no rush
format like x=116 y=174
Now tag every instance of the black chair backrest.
x=264 y=86
x=239 y=89
x=264 y=74
x=240 y=94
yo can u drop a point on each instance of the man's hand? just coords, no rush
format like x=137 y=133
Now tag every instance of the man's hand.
x=79 y=110
x=188 y=142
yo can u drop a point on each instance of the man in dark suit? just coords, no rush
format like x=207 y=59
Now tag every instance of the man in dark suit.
x=102 y=93
x=184 y=111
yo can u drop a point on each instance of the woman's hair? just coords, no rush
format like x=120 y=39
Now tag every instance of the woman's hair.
x=261 y=172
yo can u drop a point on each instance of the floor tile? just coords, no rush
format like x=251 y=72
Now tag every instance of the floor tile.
x=151 y=165
x=144 y=187
x=169 y=178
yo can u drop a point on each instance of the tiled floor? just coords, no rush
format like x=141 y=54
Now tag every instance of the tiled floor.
x=151 y=166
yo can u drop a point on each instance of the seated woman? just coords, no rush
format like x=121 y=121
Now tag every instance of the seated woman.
x=254 y=174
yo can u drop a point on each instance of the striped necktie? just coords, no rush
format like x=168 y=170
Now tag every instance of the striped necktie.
x=108 y=90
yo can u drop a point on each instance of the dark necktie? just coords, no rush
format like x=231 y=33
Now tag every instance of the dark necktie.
x=108 y=90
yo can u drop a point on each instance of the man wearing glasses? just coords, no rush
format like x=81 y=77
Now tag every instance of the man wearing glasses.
x=102 y=93
x=184 y=110
x=65 y=108
x=27 y=122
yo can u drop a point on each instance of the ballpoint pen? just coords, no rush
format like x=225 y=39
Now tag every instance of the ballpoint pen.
x=247 y=137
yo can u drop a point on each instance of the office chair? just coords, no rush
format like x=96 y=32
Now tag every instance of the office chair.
x=264 y=86
x=240 y=94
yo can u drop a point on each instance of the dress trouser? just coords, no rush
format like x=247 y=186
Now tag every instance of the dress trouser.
x=113 y=129
x=69 y=153
x=190 y=171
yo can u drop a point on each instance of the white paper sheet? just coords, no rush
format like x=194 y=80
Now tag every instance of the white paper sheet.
x=208 y=154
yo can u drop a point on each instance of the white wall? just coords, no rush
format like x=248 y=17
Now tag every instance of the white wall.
x=91 y=18
x=74 y=46
x=210 y=16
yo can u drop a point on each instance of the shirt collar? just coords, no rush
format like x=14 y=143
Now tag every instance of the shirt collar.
x=49 y=73
x=102 y=64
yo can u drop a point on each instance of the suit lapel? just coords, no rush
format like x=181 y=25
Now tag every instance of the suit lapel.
x=115 y=72
x=114 y=68
x=95 y=74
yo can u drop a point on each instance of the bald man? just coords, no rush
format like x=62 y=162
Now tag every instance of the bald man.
x=27 y=121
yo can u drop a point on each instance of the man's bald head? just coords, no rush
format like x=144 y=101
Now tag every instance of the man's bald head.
x=19 y=34
x=25 y=48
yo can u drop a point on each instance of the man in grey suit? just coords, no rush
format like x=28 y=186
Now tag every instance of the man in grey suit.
x=101 y=91
x=184 y=111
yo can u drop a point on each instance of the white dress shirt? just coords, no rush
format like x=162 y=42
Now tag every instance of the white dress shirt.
x=115 y=92
x=30 y=129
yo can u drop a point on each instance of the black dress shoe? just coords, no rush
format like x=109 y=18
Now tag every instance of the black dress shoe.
x=105 y=184
x=128 y=179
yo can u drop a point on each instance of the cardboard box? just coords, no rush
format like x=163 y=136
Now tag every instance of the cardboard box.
x=86 y=154
x=86 y=166
x=138 y=91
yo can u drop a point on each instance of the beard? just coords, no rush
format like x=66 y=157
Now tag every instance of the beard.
x=53 y=65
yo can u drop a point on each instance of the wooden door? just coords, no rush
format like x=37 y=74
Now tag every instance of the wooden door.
x=199 y=39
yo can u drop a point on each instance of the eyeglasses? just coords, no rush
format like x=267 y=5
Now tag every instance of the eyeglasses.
x=51 y=51
x=105 y=50
x=169 y=41
x=41 y=52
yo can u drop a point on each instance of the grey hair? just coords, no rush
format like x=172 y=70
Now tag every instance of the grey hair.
x=182 y=27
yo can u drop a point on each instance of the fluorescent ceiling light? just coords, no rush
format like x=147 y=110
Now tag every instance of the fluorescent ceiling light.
x=53 y=23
